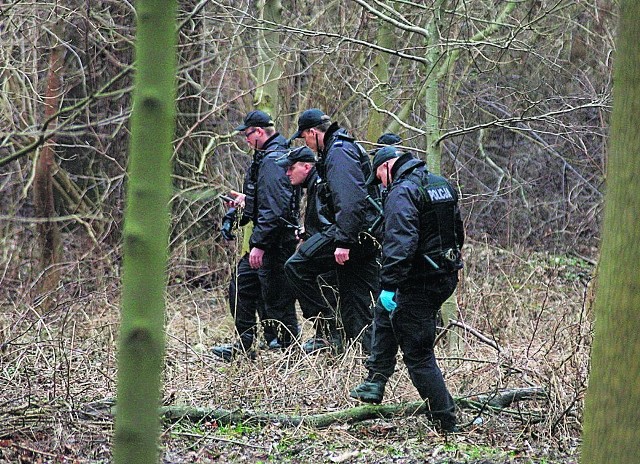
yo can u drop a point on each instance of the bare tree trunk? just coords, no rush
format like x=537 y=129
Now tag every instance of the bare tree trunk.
x=269 y=69
x=611 y=420
x=146 y=233
x=385 y=38
x=43 y=192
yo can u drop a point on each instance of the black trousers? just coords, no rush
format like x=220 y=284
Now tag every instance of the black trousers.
x=412 y=328
x=357 y=282
x=264 y=292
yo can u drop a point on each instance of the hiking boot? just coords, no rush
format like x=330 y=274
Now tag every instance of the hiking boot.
x=283 y=342
x=229 y=351
x=314 y=345
x=368 y=392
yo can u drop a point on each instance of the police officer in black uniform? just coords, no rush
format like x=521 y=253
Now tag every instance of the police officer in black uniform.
x=260 y=280
x=343 y=167
x=300 y=165
x=423 y=235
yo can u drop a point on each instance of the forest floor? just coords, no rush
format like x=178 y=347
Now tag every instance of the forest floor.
x=526 y=319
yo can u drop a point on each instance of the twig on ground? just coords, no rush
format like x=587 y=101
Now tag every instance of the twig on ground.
x=472 y=331
x=225 y=440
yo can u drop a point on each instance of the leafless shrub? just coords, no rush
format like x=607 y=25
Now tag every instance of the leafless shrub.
x=528 y=305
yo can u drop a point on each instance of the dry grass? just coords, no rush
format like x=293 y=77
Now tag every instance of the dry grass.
x=54 y=363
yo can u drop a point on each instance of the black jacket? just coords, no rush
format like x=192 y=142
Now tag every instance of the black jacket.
x=344 y=167
x=314 y=222
x=274 y=196
x=423 y=230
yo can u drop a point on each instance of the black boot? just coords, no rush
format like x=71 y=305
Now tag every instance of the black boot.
x=327 y=337
x=371 y=390
x=287 y=336
x=368 y=392
x=230 y=350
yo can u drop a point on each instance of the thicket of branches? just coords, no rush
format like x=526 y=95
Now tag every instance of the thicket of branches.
x=520 y=95
x=523 y=95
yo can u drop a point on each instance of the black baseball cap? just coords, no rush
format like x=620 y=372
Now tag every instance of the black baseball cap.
x=309 y=119
x=389 y=138
x=255 y=118
x=382 y=156
x=303 y=154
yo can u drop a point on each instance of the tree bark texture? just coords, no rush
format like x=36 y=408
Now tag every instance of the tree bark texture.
x=44 y=200
x=269 y=70
x=384 y=38
x=612 y=421
x=146 y=230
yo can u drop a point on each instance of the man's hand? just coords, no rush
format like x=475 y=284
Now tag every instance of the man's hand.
x=387 y=300
x=341 y=255
x=301 y=234
x=238 y=199
x=255 y=258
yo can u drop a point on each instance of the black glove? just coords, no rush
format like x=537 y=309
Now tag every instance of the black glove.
x=225 y=230
x=227 y=225
x=244 y=220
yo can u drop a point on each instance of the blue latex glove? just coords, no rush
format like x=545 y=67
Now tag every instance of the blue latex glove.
x=386 y=300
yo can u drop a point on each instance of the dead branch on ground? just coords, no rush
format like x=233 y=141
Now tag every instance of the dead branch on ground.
x=495 y=401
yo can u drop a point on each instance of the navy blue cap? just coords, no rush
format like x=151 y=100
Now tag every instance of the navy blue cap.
x=255 y=118
x=309 y=119
x=389 y=138
x=382 y=156
x=303 y=154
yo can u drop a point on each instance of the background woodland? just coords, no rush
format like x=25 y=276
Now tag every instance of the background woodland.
x=510 y=100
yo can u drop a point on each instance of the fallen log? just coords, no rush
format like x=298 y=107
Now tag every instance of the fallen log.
x=355 y=414
x=496 y=401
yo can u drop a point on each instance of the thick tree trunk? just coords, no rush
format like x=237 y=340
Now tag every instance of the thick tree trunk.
x=611 y=421
x=141 y=343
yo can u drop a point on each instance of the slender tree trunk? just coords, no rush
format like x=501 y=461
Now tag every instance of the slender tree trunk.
x=146 y=231
x=436 y=75
x=43 y=192
x=431 y=95
x=432 y=129
x=430 y=92
x=612 y=421
x=385 y=38
x=269 y=69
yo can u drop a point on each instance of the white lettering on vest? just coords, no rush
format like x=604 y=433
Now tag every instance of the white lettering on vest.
x=440 y=194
